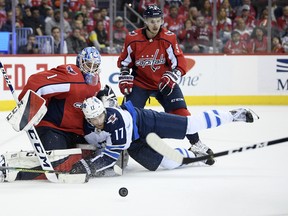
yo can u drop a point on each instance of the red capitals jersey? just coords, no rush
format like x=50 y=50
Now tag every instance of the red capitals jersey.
x=151 y=58
x=240 y=47
x=64 y=90
x=258 y=46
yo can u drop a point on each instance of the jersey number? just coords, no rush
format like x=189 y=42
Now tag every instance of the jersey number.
x=119 y=133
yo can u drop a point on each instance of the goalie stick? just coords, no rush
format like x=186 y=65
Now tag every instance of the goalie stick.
x=159 y=145
x=33 y=137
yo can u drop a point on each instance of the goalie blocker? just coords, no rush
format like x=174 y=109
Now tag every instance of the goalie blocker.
x=28 y=112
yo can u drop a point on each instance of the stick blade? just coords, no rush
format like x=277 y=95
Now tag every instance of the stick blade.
x=73 y=178
x=160 y=146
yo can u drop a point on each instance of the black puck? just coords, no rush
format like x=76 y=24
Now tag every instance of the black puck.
x=123 y=191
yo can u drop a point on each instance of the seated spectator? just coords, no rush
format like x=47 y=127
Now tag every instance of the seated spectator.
x=22 y=4
x=105 y=18
x=174 y=22
x=55 y=22
x=85 y=14
x=193 y=14
x=184 y=9
x=282 y=21
x=32 y=22
x=248 y=19
x=241 y=28
x=37 y=16
x=49 y=13
x=92 y=22
x=258 y=42
x=202 y=36
x=43 y=7
x=119 y=33
x=7 y=26
x=99 y=37
x=263 y=22
x=277 y=45
x=246 y=4
x=206 y=11
x=31 y=47
x=284 y=39
x=185 y=37
x=55 y=32
x=230 y=12
x=76 y=42
x=235 y=45
x=83 y=31
x=90 y=7
x=223 y=26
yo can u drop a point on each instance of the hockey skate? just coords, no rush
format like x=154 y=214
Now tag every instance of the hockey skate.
x=244 y=115
x=200 y=149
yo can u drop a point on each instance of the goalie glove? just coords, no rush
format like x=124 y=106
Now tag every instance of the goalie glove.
x=125 y=81
x=168 y=81
x=108 y=97
x=85 y=166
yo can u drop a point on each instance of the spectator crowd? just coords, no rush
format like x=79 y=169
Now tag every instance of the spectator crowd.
x=241 y=26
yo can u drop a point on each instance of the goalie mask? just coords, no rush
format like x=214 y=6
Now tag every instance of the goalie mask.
x=94 y=112
x=89 y=60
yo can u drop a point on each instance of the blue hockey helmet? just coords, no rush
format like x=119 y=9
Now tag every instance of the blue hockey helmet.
x=152 y=11
x=89 y=60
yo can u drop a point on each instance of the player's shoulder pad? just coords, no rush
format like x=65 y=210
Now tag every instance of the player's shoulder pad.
x=133 y=33
x=167 y=34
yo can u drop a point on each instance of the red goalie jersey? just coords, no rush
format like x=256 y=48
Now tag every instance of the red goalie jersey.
x=64 y=90
x=150 y=58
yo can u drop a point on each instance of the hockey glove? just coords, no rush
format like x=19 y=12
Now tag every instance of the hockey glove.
x=82 y=167
x=125 y=81
x=168 y=81
x=108 y=97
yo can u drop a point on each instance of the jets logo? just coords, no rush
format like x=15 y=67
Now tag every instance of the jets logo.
x=70 y=70
x=112 y=119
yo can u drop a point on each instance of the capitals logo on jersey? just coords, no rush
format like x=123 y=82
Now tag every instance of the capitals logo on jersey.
x=70 y=70
x=152 y=61
x=112 y=119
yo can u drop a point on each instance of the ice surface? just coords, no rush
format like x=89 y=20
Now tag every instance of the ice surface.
x=250 y=183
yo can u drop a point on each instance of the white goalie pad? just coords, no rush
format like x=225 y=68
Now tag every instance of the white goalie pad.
x=28 y=112
x=28 y=159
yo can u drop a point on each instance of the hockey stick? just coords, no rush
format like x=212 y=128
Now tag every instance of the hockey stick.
x=159 y=145
x=63 y=176
x=33 y=137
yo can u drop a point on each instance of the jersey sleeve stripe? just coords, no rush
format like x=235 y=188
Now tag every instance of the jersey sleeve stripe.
x=54 y=88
